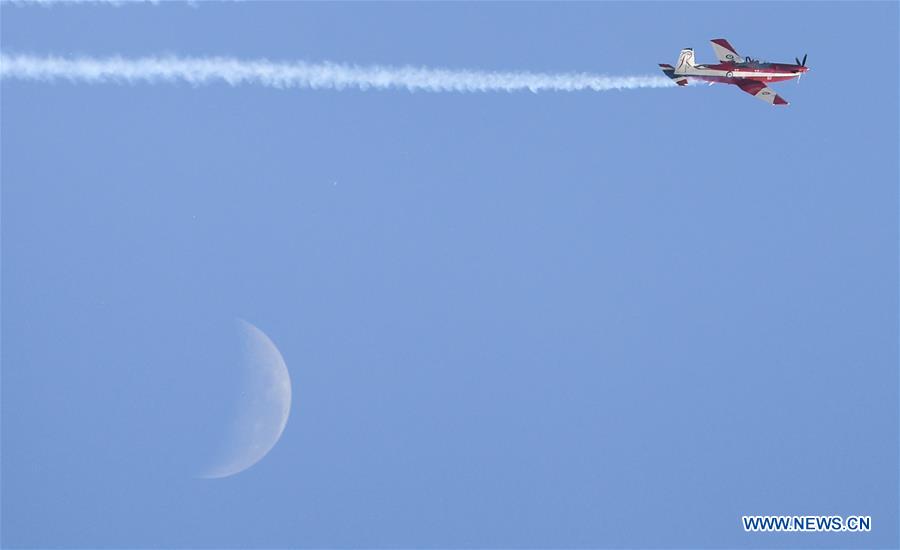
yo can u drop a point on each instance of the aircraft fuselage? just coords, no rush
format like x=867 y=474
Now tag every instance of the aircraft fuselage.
x=753 y=70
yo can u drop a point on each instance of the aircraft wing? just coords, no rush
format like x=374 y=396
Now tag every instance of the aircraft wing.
x=760 y=91
x=725 y=51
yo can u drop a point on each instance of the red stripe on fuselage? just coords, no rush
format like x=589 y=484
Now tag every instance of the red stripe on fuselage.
x=759 y=67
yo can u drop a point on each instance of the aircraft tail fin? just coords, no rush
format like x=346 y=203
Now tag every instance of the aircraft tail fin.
x=685 y=61
x=669 y=71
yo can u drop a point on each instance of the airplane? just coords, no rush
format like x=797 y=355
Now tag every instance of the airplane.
x=750 y=75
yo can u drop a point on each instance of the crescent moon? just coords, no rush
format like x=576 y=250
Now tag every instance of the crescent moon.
x=262 y=408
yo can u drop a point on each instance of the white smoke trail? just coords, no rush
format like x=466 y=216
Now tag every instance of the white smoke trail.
x=208 y=70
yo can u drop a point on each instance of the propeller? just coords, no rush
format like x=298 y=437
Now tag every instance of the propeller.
x=800 y=64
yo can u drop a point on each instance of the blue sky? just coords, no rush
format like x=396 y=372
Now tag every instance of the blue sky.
x=555 y=320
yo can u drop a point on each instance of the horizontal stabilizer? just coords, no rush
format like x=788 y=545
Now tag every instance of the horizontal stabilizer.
x=669 y=71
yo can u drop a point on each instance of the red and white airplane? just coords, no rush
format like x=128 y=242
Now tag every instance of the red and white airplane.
x=747 y=74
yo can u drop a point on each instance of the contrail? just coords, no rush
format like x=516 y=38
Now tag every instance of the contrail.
x=302 y=75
